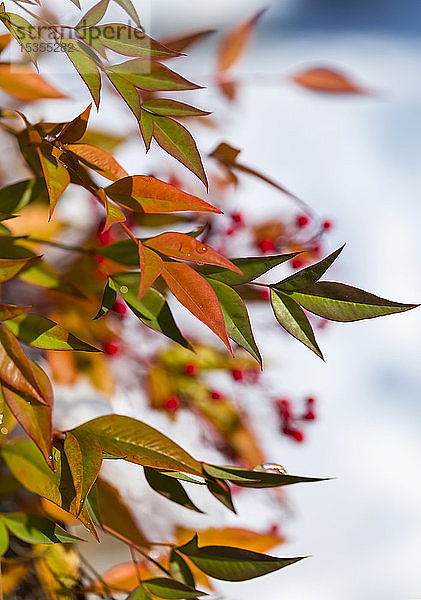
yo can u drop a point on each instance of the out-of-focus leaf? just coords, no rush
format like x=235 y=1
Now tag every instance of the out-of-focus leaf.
x=85 y=65
x=220 y=490
x=98 y=160
x=108 y=299
x=180 y=570
x=340 y=302
x=327 y=81
x=232 y=564
x=234 y=43
x=41 y=332
x=306 y=277
x=56 y=175
x=139 y=443
x=5 y=39
x=33 y=416
x=152 y=76
x=236 y=318
x=94 y=15
x=84 y=456
x=152 y=309
x=169 y=488
x=181 y=43
x=197 y=295
x=14 y=197
x=172 y=108
x=7 y=311
x=127 y=91
x=4 y=537
x=74 y=130
x=114 y=515
x=171 y=589
x=12 y=575
x=234 y=536
x=292 y=318
x=185 y=247
x=36 y=530
x=24 y=83
x=175 y=139
x=57 y=569
x=255 y=478
x=252 y=268
x=11 y=267
x=124 y=252
x=142 y=193
x=16 y=370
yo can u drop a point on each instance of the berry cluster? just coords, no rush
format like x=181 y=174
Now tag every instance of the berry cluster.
x=289 y=419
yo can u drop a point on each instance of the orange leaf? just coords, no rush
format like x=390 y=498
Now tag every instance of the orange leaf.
x=197 y=295
x=141 y=193
x=151 y=266
x=9 y=311
x=98 y=160
x=235 y=42
x=327 y=81
x=124 y=576
x=180 y=245
x=25 y=84
x=5 y=39
x=232 y=536
x=55 y=173
x=74 y=130
x=114 y=214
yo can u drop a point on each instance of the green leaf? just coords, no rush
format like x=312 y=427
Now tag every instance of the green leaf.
x=139 y=593
x=23 y=32
x=124 y=252
x=232 y=564
x=108 y=299
x=146 y=128
x=252 y=268
x=175 y=139
x=4 y=537
x=180 y=570
x=76 y=2
x=40 y=332
x=94 y=15
x=166 y=107
x=127 y=5
x=221 y=491
x=85 y=65
x=33 y=529
x=340 y=302
x=236 y=318
x=14 y=197
x=84 y=456
x=182 y=477
x=255 y=479
x=152 y=76
x=292 y=318
x=140 y=443
x=129 y=41
x=56 y=175
x=309 y=275
x=152 y=309
x=171 y=589
x=169 y=488
x=127 y=91
x=11 y=267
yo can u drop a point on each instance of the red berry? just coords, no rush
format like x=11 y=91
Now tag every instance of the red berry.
x=172 y=404
x=302 y=221
x=266 y=246
x=237 y=217
x=284 y=408
x=310 y=401
x=216 y=395
x=237 y=374
x=274 y=530
x=297 y=435
x=327 y=225
x=265 y=293
x=310 y=415
x=99 y=259
x=105 y=238
x=287 y=429
x=119 y=307
x=191 y=369
x=112 y=348
x=231 y=231
x=297 y=263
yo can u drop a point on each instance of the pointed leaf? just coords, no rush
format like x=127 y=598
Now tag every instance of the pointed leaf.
x=252 y=268
x=23 y=32
x=33 y=529
x=74 y=130
x=255 y=478
x=11 y=267
x=98 y=160
x=185 y=247
x=94 y=15
x=293 y=319
x=340 y=302
x=172 y=108
x=151 y=265
x=234 y=44
x=14 y=197
x=127 y=91
x=146 y=128
x=232 y=564
x=108 y=299
x=309 y=275
x=7 y=311
x=152 y=76
x=328 y=81
x=169 y=488
x=127 y=5
x=180 y=570
x=24 y=83
x=139 y=443
x=175 y=139
x=86 y=67
x=56 y=175
x=236 y=318
x=40 y=332
x=197 y=295
x=222 y=492
x=131 y=42
x=84 y=456
x=142 y=193
x=171 y=589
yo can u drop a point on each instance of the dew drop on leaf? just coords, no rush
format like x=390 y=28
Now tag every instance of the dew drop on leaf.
x=269 y=467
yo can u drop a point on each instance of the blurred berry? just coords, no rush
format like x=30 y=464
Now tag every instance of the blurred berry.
x=237 y=374
x=237 y=217
x=297 y=263
x=326 y=225
x=112 y=348
x=172 y=404
x=265 y=293
x=266 y=246
x=297 y=435
x=191 y=369
x=302 y=221
x=231 y=231
x=216 y=395
x=310 y=415
x=119 y=307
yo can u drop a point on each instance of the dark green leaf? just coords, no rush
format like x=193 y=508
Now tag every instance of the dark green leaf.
x=309 y=275
x=293 y=319
x=169 y=488
x=36 y=530
x=220 y=489
x=233 y=564
x=180 y=570
x=108 y=299
x=146 y=128
x=255 y=478
x=252 y=268
x=14 y=197
x=4 y=537
x=236 y=318
x=171 y=589
x=84 y=456
x=340 y=302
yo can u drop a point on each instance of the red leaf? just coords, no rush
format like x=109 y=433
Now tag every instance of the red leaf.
x=141 y=193
x=98 y=160
x=234 y=44
x=75 y=130
x=180 y=245
x=197 y=295
x=327 y=81
x=151 y=266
